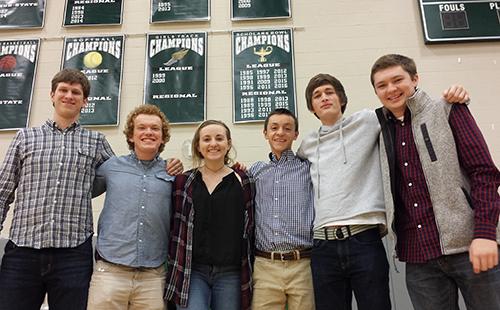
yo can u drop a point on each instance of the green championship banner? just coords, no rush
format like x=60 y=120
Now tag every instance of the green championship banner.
x=179 y=10
x=22 y=13
x=101 y=60
x=263 y=73
x=93 y=12
x=260 y=9
x=18 y=60
x=176 y=75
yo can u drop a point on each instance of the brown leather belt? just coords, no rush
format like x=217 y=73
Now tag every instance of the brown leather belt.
x=283 y=256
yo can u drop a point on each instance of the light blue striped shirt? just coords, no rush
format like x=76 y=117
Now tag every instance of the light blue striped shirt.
x=284 y=210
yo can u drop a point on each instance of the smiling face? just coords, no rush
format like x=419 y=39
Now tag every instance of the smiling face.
x=147 y=136
x=393 y=87
x=68 y=99
x=326 y=104
x=280 y=133
x=213 y=144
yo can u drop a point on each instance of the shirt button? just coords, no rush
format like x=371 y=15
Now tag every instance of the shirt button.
x=275 y=199
x=406 y=164
x=142 y=207
x=415 y=204
x=140 y=240
x=277 y=182
x=410 y=184
x=143 y=189
x=403 y=144
x=55 y=201
x=403 y=124
x=144 y=176
x=275 y=216
x=275 y=233
x=60 y=164
x=58 y=182
x=419 y=226
x=141 y=224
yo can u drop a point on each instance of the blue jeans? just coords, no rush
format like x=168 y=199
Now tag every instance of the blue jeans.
x=214 y=287
x=434 y=285
x=26 y=274
x=357 y=264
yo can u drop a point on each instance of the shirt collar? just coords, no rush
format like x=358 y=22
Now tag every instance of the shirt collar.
x=286 y=155
x=53 y=126
x=134 y=156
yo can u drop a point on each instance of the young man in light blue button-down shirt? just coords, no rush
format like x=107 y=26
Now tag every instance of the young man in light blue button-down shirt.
x=134 y=224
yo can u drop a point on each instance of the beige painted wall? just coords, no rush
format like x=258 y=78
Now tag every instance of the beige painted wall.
x=340 y=37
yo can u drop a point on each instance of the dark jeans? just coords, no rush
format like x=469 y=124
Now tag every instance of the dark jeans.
x=26 y=274
x=357 y=264
x=434 y=285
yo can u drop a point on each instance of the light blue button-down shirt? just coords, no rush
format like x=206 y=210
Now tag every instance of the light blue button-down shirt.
x=134 y=224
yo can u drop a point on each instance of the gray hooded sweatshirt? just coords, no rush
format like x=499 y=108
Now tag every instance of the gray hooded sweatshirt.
x=345 y=168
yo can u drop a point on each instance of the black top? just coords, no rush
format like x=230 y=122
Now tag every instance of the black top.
x=218 y=222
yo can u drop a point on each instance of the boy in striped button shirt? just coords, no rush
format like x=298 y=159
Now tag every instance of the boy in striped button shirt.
x=283 y=218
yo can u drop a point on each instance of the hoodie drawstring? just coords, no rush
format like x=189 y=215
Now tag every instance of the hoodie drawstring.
x=342 y=140
x=318 y=143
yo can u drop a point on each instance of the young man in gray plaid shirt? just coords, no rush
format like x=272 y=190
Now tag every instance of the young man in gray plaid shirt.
x=52 y=167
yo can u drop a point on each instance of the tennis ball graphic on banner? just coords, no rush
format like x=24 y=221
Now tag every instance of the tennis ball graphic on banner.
x=8 y=63
x=92 y=60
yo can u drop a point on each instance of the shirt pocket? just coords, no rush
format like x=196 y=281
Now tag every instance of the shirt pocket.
x=164 y=186
x=163 y=175
x=85 y=157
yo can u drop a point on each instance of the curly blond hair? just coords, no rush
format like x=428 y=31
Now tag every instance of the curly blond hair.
x=147 y=109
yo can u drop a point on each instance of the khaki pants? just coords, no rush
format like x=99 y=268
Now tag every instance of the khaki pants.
x=276 y=283
x=116 y=287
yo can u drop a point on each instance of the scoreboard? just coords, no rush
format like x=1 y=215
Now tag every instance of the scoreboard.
x=455 y=21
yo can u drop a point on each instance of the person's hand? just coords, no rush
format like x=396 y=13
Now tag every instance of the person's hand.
x=239 y=166
x=174 y=166
x=483 y=254
x=456 y=94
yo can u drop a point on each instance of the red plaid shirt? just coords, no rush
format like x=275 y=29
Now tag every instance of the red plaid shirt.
x=181 y=240
x=418 y=236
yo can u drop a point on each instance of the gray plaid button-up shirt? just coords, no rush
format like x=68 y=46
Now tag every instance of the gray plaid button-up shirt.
x=53 y=171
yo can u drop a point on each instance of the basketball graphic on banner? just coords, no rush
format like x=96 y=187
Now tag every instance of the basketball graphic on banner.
x=8 y=63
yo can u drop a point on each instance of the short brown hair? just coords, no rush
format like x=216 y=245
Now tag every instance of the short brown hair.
x=282 y=111
x=147 y=109
x=197 y=157
x=324 y=79
x=71 y=76
x=392 y=60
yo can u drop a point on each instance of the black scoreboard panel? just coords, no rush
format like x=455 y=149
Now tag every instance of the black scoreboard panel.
x=454 y=21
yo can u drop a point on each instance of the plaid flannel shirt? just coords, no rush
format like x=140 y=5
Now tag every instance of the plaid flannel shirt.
x=53 y=171
x=181 y=240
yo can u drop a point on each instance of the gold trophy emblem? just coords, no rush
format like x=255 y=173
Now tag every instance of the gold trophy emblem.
x=263 y=52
